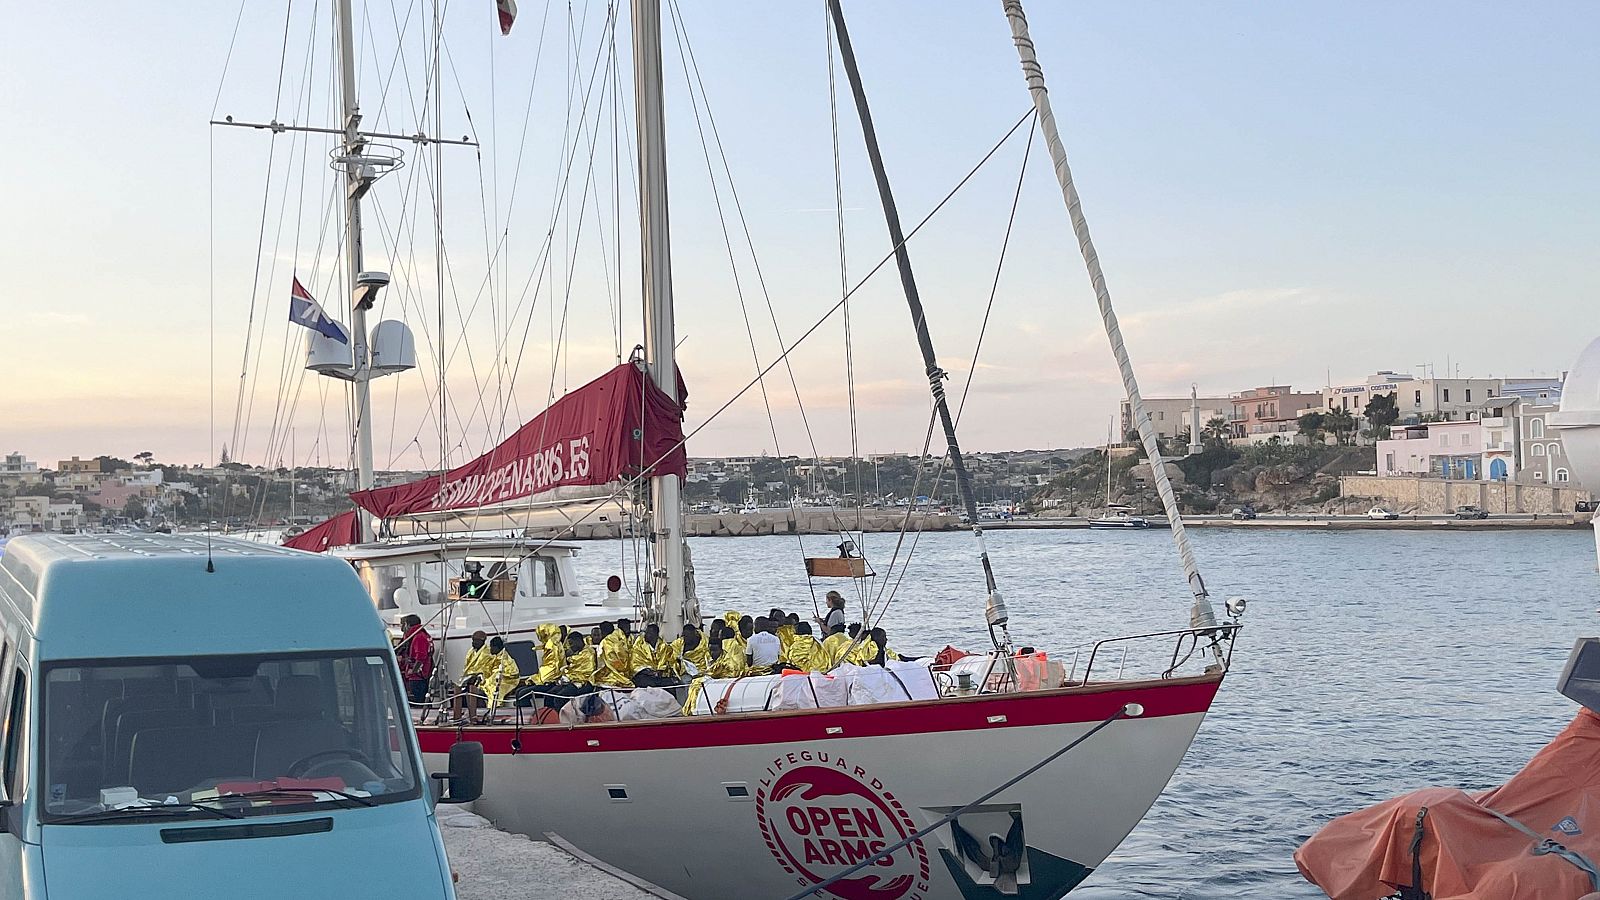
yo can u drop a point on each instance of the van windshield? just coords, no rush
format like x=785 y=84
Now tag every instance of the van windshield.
x=244 y=734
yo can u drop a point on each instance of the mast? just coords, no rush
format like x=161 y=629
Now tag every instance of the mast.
x=995 y=611
x=1108 y=465
x=1200 y=615
x=356 y=184
x=670 y=604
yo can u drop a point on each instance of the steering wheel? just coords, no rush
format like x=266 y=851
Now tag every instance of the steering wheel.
x=301 y=766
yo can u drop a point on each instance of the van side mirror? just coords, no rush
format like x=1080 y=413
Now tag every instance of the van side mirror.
x=465 y=778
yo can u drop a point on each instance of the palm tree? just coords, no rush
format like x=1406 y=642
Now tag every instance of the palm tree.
x=1216 y=429
x=1340 y=423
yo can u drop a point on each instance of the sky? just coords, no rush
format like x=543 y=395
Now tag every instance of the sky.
x=1279 y=193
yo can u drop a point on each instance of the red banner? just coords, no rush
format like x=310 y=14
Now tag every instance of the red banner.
x=613 y=427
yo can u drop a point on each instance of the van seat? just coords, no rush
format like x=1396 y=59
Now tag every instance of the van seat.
x=134 y=721
x=166 y=760
x=299 y=696
x=116 y=706
x=283 y=743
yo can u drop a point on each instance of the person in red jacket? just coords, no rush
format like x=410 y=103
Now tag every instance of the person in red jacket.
x=416 y=658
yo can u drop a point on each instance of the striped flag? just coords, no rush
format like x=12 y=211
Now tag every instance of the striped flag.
x=508 y=14
x=305 y=310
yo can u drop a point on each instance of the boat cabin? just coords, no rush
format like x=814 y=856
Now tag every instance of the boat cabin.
x=523 y=583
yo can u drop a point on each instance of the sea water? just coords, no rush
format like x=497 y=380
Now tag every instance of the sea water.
x=1372 y=662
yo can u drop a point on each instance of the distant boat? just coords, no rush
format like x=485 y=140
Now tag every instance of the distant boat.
x=1118 y=516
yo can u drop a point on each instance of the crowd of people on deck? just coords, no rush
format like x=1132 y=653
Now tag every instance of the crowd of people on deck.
x=572 y=663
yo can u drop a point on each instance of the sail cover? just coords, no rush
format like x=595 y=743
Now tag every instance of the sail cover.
x=335 y=532
x=614 y=427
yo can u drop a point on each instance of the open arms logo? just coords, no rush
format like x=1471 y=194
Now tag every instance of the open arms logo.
x=820 y=814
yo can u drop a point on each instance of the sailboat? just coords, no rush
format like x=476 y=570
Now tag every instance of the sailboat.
x=932 y=797
x=1117 y=515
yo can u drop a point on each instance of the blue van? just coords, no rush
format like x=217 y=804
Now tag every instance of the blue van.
x=183 y=717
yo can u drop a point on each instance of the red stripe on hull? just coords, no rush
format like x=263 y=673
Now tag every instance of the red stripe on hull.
x=1067 y=705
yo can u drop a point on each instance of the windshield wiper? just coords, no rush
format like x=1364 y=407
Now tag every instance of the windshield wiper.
x=133 y=812
x=295 y=792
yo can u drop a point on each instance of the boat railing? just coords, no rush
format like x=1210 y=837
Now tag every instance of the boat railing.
x=1186 y=644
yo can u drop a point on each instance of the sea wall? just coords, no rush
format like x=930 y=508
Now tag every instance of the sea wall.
x=1433 y=496
x=776 y=521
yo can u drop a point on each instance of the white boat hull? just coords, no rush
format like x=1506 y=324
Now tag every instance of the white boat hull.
x=761 y=805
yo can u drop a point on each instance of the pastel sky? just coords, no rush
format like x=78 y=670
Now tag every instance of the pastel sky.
x=1280 y=193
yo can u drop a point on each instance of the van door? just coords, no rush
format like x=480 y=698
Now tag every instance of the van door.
x=13 y=734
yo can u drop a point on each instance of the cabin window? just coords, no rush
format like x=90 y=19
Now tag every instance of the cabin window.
x=13 y=737
x=547 y=577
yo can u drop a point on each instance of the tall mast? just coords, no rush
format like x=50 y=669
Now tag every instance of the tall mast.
x=996 y=609
x=356 y=184
x=1200 y=613
x=670 y=604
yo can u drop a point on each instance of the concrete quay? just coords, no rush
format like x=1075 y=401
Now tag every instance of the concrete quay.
x=806 y=520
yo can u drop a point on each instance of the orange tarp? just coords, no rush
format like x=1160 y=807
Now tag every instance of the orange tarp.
x=1467 y=853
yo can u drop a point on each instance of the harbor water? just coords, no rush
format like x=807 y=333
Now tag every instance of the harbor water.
x=1372 y=662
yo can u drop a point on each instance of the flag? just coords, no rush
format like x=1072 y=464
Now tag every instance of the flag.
x=508 y=14
x=305 y=310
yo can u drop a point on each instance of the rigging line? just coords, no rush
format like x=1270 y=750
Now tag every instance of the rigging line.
x=761 y=280
x=994 y=287
x=272 y=144
x=961 y=405
x=211 y=309
x=1129 y=710
x=438 y=220
x=844 y=269
x=1033 y=72
x=733 y=266
x=547 y=249
x=541 y=263
x=228 y=60
x=302 y=104
x=727 y=240
x=644 y=472
x=400 y=30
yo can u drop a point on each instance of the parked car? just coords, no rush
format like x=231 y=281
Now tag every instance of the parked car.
x=1471 y=512
x=1244 y=513
x=1587 y=506
x=1382 y=512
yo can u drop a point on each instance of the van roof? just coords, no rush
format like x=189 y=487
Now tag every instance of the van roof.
x=125 y=595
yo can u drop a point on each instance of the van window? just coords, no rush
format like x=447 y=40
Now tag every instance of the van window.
x=297 y=730
x=13 y=738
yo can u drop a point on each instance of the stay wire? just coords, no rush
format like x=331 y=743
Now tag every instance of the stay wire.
x=994 y=289
x=755 y=259
x=645 y=471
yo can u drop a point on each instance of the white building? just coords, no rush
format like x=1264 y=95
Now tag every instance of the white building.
x=1447 y=399
x=1519 y=444
x=19 y=469
x=1440 y=449
x=1170 y=415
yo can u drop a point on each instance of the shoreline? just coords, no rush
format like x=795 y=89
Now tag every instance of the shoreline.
x=818 y=522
